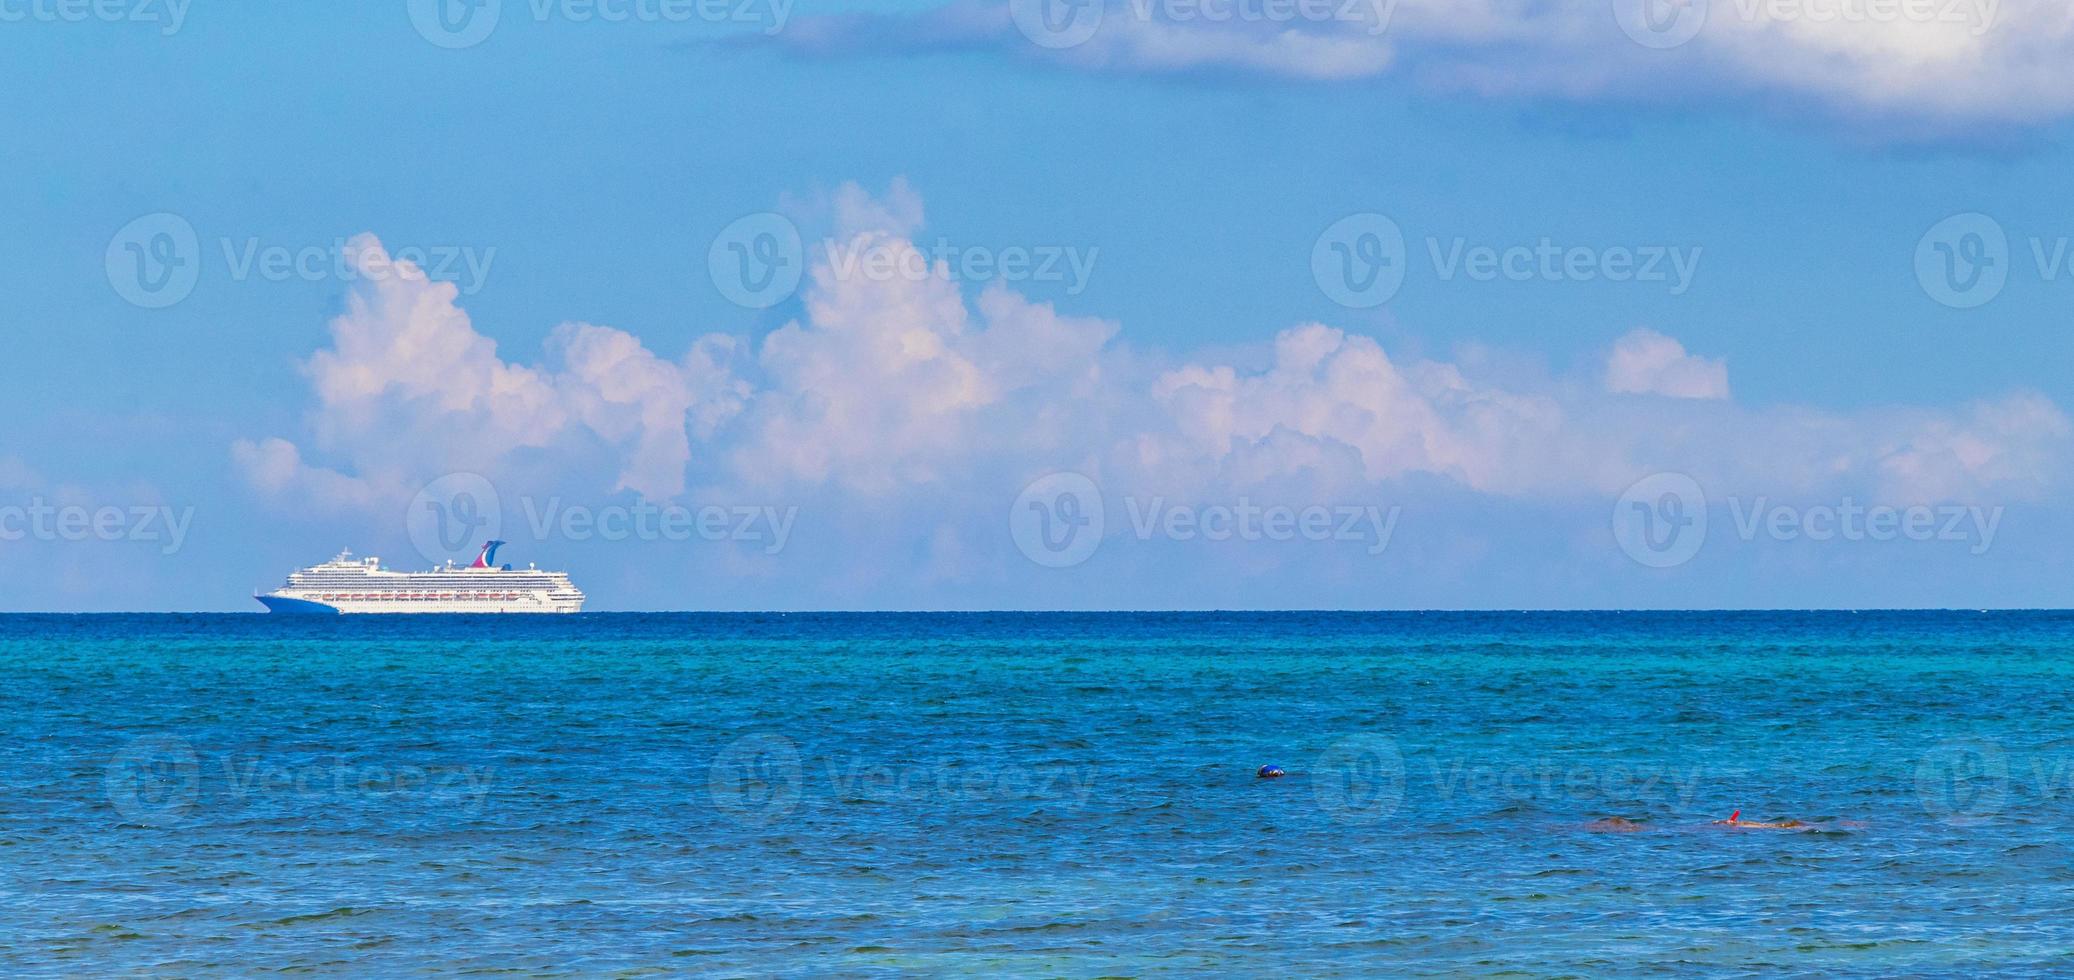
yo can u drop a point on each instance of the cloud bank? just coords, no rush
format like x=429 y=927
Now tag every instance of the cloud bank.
x=925 y=410
x=1935 y=63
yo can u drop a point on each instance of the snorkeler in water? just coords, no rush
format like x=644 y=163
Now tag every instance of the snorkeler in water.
x=1615 y=825
x=1736 y=820
x=1623 y=825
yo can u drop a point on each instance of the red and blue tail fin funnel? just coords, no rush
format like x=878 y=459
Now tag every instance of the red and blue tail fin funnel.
x=489 y=554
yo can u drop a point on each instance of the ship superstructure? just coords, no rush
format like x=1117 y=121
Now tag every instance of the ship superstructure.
x=347 y=584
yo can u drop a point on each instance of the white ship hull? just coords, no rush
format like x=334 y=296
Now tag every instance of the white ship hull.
x=285 y=601
x=345 y=586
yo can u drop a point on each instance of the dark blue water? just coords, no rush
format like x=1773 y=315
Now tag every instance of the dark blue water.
x=1060 y=795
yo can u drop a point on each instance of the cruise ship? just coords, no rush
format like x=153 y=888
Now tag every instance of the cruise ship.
x=347 y=584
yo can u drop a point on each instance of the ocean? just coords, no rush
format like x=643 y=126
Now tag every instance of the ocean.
x=1065 y=795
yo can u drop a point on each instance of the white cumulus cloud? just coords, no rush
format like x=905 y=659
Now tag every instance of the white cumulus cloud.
x=1648 y=363
x=890 y=379
x=410 y=390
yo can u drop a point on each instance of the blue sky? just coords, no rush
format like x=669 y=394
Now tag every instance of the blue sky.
x=1801 y=361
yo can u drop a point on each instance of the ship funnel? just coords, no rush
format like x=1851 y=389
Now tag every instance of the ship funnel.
x=488 y=555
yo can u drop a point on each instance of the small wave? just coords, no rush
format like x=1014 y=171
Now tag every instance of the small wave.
x=342 y=912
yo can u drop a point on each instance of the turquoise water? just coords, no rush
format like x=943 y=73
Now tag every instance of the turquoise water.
x=1057 y=795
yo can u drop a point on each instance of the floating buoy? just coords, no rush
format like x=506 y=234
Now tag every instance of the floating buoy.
x=1271 y=772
